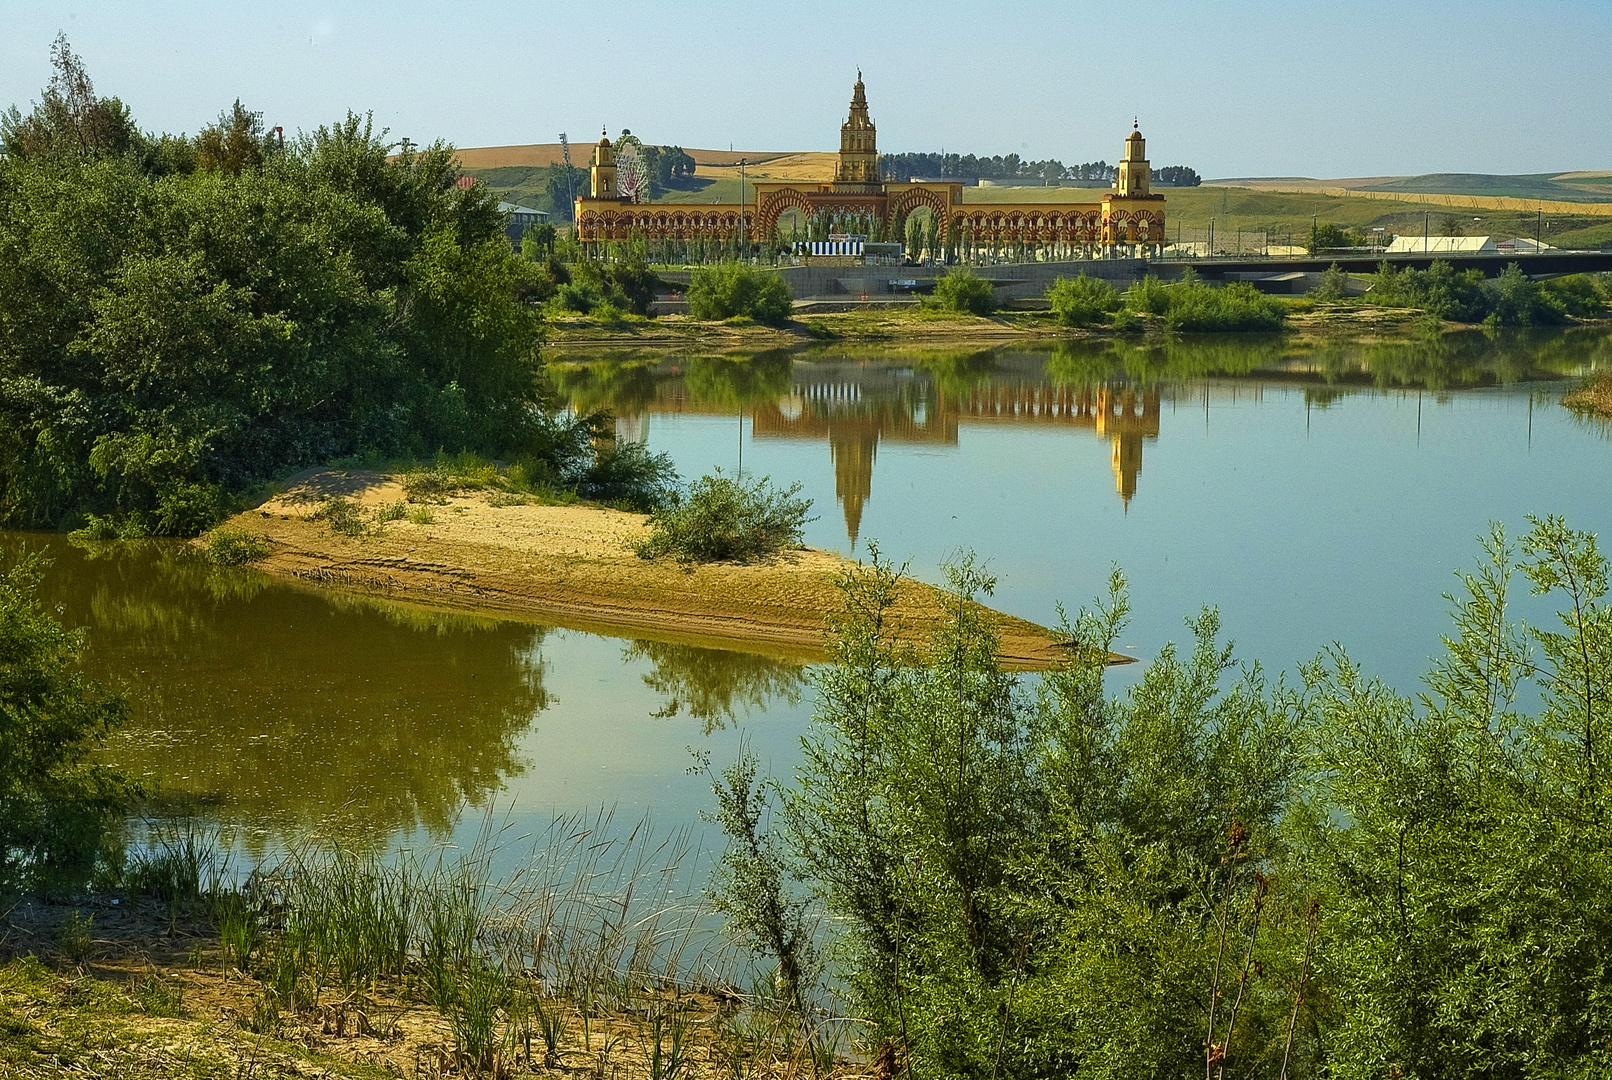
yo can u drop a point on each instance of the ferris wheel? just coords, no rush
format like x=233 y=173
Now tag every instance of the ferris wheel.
x=632 y=168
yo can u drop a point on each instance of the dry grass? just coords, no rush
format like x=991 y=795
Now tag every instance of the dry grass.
x=138 y=1007
x=592 y=959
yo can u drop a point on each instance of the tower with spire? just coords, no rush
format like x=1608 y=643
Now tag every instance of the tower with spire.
x=859 y=148
x=1135 y=175
x=602 y=175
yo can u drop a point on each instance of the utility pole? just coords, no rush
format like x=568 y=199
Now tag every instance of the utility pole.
x=1539 y=228
x=741 y=230
x=1427 y=229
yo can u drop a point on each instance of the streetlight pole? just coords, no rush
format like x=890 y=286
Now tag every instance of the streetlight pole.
x=741 y=229
x=1539 y=228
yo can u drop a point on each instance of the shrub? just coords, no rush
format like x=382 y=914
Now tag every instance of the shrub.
x=574 y=298
x=964 y=291
x=1198 y=308
x=1334 y=284
x=342 y=516
x=1440 y=290
x=605 y=312
x=1083 y=300
x=729 y=289
x=626 y=474
x=235 y=547
x=1149 y=296
x=726 y=518
x=1518 y=301
x=1192 y=306
x=1575 y=295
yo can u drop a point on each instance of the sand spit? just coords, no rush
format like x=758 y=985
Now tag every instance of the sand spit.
x=575 y=565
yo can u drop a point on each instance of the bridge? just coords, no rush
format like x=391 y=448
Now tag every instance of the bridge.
x=1541 y=265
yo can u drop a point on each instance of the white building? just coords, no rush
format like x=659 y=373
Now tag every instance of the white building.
x=1443 y=245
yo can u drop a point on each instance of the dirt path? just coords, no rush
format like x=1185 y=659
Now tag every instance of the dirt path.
x=575 y=565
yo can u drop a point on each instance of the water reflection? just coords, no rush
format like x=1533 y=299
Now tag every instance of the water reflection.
x=854 y=402
x=290 y=710
x=715 y=686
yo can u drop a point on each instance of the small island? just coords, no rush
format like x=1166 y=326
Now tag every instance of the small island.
x=574 y=564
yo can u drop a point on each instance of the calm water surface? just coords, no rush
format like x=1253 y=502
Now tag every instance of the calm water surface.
x=1312 y=494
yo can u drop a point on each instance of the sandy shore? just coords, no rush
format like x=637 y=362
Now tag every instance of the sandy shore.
x=575 y=565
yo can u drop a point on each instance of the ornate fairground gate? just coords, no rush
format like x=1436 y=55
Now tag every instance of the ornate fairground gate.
x=1128 y=220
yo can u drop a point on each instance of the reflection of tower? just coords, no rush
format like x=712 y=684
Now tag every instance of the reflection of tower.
x=853 y=451
x=1119 y=417
x=1127 y=463
x=633 y=429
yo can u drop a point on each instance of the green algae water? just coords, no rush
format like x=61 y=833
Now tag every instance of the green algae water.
x=1314 y=493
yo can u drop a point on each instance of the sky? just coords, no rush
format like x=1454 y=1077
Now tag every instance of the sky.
x=1250 y=88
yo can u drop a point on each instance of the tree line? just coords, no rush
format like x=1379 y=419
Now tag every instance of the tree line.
x=1011 y=167
x=1214 y=872
x=182 y=318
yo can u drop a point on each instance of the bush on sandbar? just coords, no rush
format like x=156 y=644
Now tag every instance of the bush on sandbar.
x=726 y=518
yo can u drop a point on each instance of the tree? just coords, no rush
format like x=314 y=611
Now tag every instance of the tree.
x=1082 y=300
x=1178 y=176
x=235 y=143
x=55 y=806
x=170 y=338
x=1459 y=843
x=962 y=290
x=69 y=121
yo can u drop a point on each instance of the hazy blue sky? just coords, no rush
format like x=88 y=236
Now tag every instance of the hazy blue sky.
x=1341 y=88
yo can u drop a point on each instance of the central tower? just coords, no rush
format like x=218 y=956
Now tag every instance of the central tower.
x=859 y=150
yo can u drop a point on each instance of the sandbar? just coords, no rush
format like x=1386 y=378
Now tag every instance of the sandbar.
x=574 y=565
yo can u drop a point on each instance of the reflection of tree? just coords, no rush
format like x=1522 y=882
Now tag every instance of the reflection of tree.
x=292 y=711
x=1435 y=361
x=712 y=685
x=621 y=388
x=729 y=383
x=957 y=372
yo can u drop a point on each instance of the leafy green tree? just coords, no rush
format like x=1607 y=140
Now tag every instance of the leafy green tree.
x=730 y=288
x=1326 y=237
x=1053 y=884
x=172 y=334
x=1334 y=284
x=69 y=121
x=56 y=807
x=754 y=888
x=1082 y=301
x=235 y=143
x=1518 y=300
x=962 y=290
x=1459 y=843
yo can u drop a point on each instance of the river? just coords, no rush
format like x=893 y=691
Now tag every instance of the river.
x=1315 y=493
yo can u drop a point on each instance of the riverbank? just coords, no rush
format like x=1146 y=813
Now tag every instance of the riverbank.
x=574 y=565
x=121 y=987
x=910 y=324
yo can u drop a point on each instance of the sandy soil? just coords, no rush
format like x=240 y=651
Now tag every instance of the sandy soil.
x=575 y=565
x=93 y=1015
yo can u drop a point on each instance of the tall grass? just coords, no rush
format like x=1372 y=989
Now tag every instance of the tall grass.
x=597 y=922
x=592 y=916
